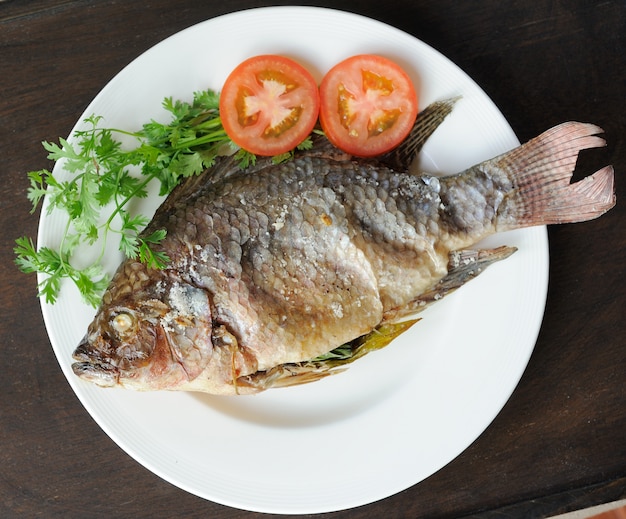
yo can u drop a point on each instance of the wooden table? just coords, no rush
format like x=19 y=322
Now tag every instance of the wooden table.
x=559 y=444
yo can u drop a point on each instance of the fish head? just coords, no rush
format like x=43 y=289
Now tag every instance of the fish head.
x=157 y=336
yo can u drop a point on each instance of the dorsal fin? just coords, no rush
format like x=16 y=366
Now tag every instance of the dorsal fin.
x=223 y=167
x=427 y=121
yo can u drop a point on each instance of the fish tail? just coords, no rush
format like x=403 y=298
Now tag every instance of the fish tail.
x=541 y=171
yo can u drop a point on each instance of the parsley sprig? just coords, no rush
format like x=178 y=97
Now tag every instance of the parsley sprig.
x=98 y=180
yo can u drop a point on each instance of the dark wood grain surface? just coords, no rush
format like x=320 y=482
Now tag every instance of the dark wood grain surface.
x=559 y=444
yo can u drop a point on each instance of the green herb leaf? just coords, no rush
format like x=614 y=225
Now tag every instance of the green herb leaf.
x=90 y=281
x=27 y=259
x=150 y=256
x=37 y=188
x=99 y=179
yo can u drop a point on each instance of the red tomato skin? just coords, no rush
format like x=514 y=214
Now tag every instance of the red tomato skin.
x=350 y=72
x=248 y=132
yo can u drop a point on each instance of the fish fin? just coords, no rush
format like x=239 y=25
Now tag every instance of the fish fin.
x=322 y=147
x=224 y=167
x=285 y=375
x=541 y=171
x=463 y=265
x=334 y=362
x=427 y=121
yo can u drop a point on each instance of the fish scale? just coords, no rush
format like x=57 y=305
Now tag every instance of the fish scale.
x=276 y=266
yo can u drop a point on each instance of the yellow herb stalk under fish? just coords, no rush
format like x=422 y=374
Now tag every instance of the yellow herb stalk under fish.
x=276 y=268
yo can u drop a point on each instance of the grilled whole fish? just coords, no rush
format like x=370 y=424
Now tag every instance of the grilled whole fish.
x=277 y=265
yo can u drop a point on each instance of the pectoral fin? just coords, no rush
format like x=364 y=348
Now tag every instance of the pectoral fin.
x=463 y=265
x=333 y=362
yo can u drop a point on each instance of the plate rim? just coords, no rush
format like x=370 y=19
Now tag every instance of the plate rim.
x=89 y=405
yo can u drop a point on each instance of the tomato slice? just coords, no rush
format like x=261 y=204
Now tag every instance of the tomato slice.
x=269 y=104
x=368 y=105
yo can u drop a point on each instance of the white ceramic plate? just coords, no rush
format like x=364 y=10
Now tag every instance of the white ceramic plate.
x=395 y=417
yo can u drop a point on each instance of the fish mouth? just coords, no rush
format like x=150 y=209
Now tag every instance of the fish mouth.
x=92 y=370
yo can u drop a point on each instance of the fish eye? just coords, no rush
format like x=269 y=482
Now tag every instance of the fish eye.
x=122 y=322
